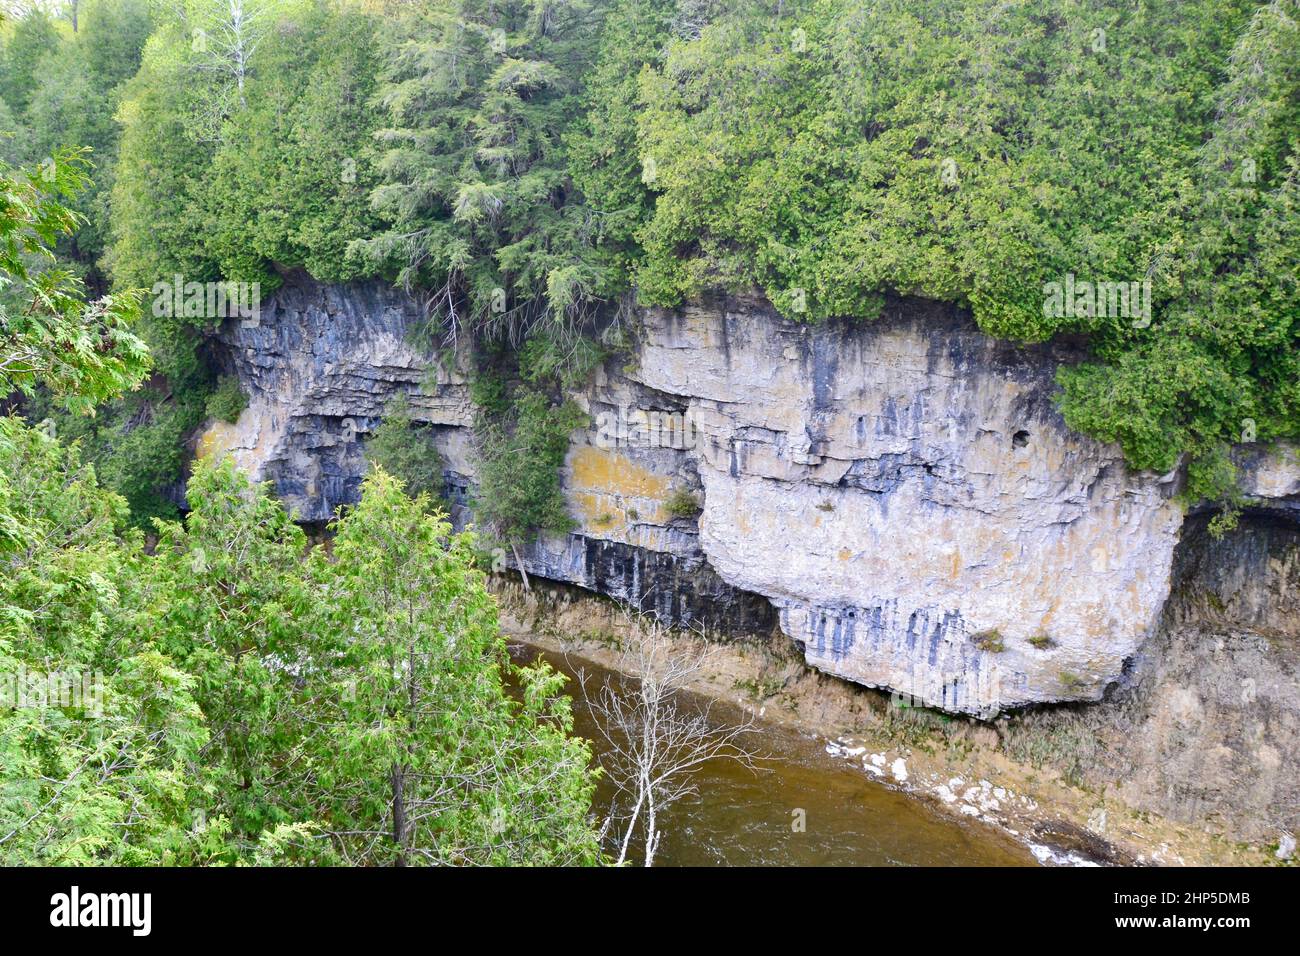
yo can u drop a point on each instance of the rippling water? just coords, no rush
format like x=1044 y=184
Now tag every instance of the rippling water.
x=743 y=817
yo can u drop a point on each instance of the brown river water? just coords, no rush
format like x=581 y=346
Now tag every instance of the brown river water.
x=743 y=817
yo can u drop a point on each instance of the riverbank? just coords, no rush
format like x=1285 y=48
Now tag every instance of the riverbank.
x=958 y=766
x=793 y=804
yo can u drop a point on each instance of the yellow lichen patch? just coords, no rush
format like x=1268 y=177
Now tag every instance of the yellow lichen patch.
x=597 y=470
x=603 y=513
x=845 y=554
x=216 y=440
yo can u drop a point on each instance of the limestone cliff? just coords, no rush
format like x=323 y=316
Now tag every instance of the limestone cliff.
x=902 y=495
x=1205 y=729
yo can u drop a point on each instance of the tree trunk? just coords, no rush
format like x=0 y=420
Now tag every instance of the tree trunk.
x=399 y=814
x=519 y=563
x=627 y=833
x=652 y=832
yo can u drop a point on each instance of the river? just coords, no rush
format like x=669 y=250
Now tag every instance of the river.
x=744 y=817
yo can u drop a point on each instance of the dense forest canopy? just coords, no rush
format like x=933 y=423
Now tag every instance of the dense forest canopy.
x=522 y=165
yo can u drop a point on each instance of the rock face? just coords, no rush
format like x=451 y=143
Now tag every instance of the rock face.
x=901 y=494
x=318 y=367
x=1209 y=720
x=908 y=497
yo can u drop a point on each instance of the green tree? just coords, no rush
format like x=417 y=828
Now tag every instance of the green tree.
x=13 y=137
x=828 y=153
x=406 y=451
x=476 y=189
x=293 y=184
x=233 y=611
x=1224 y=362
x=160 y=195
x=100 y=775
x=113 y=34
x=34 y=37
x=83 y=353
x=605 y=160
x=431 y=761
x=68 y=109
x=250 y=701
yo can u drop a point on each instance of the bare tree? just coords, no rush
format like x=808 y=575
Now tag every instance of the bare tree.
x=225 y=35
x=237 y=36
x=656 y=738
x=17 y=9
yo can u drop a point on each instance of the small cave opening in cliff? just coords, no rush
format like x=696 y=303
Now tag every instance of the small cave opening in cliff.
x=1020 y=439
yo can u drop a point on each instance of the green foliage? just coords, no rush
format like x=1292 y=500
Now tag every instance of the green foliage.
x=521 y=454
x=227 y=401
x=358 y=698
x=159 y=198
x=294 y=168
x=138 y=441
x=476 y=189
x=62 y=95
x=489 y=392
x=479 y=778
x=256 y=706
x=69 y=358
x=66 y=109
x=828 y=152
x=682 y=504
x=524 y=433
x=112 y=33
x=231 y=171
x=605 y=159
x=568 y=361
x=236 y=698
x=406 y=451
x=34 y=37
x=13 y=137
x=104 y=780
x=234 y=615
x=83 y=353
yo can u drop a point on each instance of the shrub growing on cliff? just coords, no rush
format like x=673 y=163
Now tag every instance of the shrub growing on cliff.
x=228 y=401
x=990 y=641
x=406 y=451
x=682 y=504
x=519 y=480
